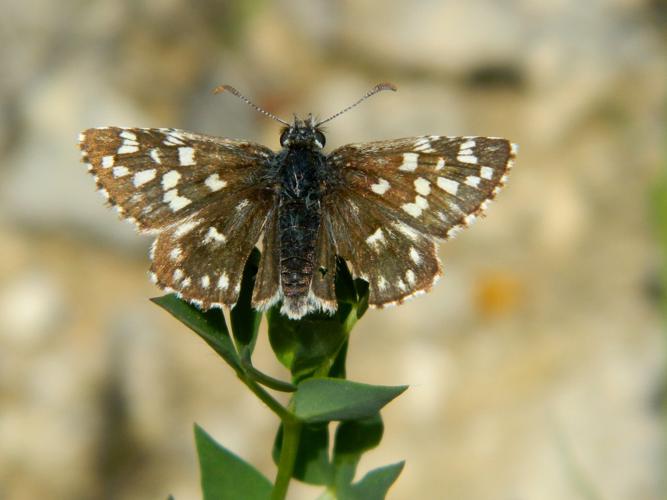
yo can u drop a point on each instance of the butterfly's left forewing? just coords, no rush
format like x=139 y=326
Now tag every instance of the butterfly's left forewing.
x=395 y=198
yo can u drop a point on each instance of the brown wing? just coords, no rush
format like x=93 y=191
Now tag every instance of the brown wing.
x=396 y=198
x=202 y=257
x=158 y=177
x=204 y=196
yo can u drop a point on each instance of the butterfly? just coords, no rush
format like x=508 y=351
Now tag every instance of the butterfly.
x=381 y=206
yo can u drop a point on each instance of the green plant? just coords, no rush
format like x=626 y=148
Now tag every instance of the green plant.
x=314 y=350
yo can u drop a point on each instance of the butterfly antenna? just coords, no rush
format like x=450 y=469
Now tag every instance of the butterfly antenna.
x=378 y=88
x=232 y=90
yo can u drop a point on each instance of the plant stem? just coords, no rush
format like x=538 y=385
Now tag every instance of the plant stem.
x=263 y=378
x=288 y=451
x=267 y=399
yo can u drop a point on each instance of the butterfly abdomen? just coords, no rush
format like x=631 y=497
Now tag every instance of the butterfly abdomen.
x=300 y=214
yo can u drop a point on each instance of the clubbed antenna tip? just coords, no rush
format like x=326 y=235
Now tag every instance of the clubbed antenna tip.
x=378 y=88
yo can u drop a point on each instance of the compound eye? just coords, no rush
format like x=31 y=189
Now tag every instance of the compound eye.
x=283 y=136
x=319 y=137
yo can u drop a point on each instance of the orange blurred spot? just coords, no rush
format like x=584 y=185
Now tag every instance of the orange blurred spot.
x=497 y=293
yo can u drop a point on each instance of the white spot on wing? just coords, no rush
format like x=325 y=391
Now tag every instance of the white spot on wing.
x=414 y=255
x=469 y=144
x=186 y=156
x=409 y=162
x=214 y=235
x=412 y=209
x=472 y=180
x=107 y=161
x=178 y=274
x=415 y=209
x=448 y=185
x=155 y=155
x=130 y=136
x=467 y=159
x=422 y=186
x=423 y=144
x=144 y=176
x=440 y=165
x=170 y=179
x=214 y=182
x=127 y=149
x=175 y=201
x=381 y=187
x=223 y=282
x=120 y=171
x=375 y=239
x=205 y=281
x=410 y=277
x=382 y=283
x=406 y=230
x=486 y=173
x=186 y=227
x=175 y=253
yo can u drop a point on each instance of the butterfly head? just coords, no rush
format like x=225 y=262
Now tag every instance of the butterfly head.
x=303 y=133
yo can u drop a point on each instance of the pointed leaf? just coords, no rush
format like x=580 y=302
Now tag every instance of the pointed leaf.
x=245 y=320
x=312 y=464
x=225 y=476
x=209 y=325
x=375 y=484
x=327 y=399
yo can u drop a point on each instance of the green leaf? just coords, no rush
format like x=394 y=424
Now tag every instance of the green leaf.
x=353 y=438
x=225 y=476
x=327 y=399
x=375 y=484
x=312 y=464
x=308 y=345
x=209 y=325
x=312 y=345
x=245 y=320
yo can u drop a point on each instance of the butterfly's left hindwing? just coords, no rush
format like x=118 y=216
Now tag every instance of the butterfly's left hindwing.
x=396 y=198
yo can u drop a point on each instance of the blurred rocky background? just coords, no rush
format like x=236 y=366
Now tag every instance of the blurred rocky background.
x=536 y=366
